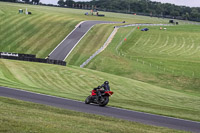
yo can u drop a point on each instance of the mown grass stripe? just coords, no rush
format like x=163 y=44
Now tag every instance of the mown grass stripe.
x=9 y=37
x=160 y=41
x=43 y=39
x=152 y=41
x=22 y=36
x=179 y=48
x=12 y=26
x=35 y=29
x=47 y=39
x=68 y=80
x=63 y=85
x=51 y=80
x=186 y=48
x=7 y=20
x=164 y=45
x=39 y=80
x=155 y=44
x=33 y=25
x=174 y=43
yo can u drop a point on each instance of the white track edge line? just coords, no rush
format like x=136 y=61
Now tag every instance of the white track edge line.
x=78 y=42
x=66 y=37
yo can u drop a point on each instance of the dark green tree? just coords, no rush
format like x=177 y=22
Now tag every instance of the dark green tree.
x=26 y=1
x=69 y=3
x=195 y=13
x=174 y=13
x=61 y=3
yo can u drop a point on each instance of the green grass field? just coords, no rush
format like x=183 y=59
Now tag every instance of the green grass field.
x=26 y=117
x=155 y=71
x=76 y=83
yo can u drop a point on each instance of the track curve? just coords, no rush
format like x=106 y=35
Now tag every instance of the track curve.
x=141 y=117
x=70 y=42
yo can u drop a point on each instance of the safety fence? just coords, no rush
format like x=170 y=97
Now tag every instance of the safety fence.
x=161 y=68
x=129 y=25
x=31 y=58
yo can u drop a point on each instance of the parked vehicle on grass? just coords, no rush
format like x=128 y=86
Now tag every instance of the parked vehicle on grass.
x=145 y=29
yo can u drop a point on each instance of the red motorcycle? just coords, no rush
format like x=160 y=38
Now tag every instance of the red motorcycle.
x=101 y=100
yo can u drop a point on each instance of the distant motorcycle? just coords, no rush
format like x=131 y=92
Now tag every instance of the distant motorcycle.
x=102 y=100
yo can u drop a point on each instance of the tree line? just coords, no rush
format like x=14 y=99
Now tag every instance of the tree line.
x=142 y=7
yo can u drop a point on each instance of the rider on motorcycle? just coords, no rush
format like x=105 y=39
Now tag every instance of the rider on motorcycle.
x=98 y=89
x=106 y=86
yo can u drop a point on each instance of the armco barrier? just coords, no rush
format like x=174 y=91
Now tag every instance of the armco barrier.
x=31 y=58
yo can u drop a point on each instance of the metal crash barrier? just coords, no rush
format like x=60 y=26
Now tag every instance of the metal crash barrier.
x=31 y=58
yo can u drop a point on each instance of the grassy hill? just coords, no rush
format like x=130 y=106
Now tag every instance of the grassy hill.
x=76 y=83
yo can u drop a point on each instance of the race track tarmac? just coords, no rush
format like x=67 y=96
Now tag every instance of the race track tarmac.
x=69 y=43
x=135 y=116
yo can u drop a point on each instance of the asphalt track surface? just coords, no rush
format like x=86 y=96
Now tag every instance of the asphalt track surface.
x=135 y=116
x=70 y=42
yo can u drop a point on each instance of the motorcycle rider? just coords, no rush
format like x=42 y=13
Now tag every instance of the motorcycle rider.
x=106 y=87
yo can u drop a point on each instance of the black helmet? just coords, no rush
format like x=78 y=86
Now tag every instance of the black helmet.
x=99 y=87
x=106 y=82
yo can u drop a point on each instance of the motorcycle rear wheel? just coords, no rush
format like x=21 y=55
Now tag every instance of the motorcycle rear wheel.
x=105 y=102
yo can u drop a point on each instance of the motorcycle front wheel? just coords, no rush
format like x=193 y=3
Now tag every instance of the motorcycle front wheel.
x=88 y=100
x=105 y=101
